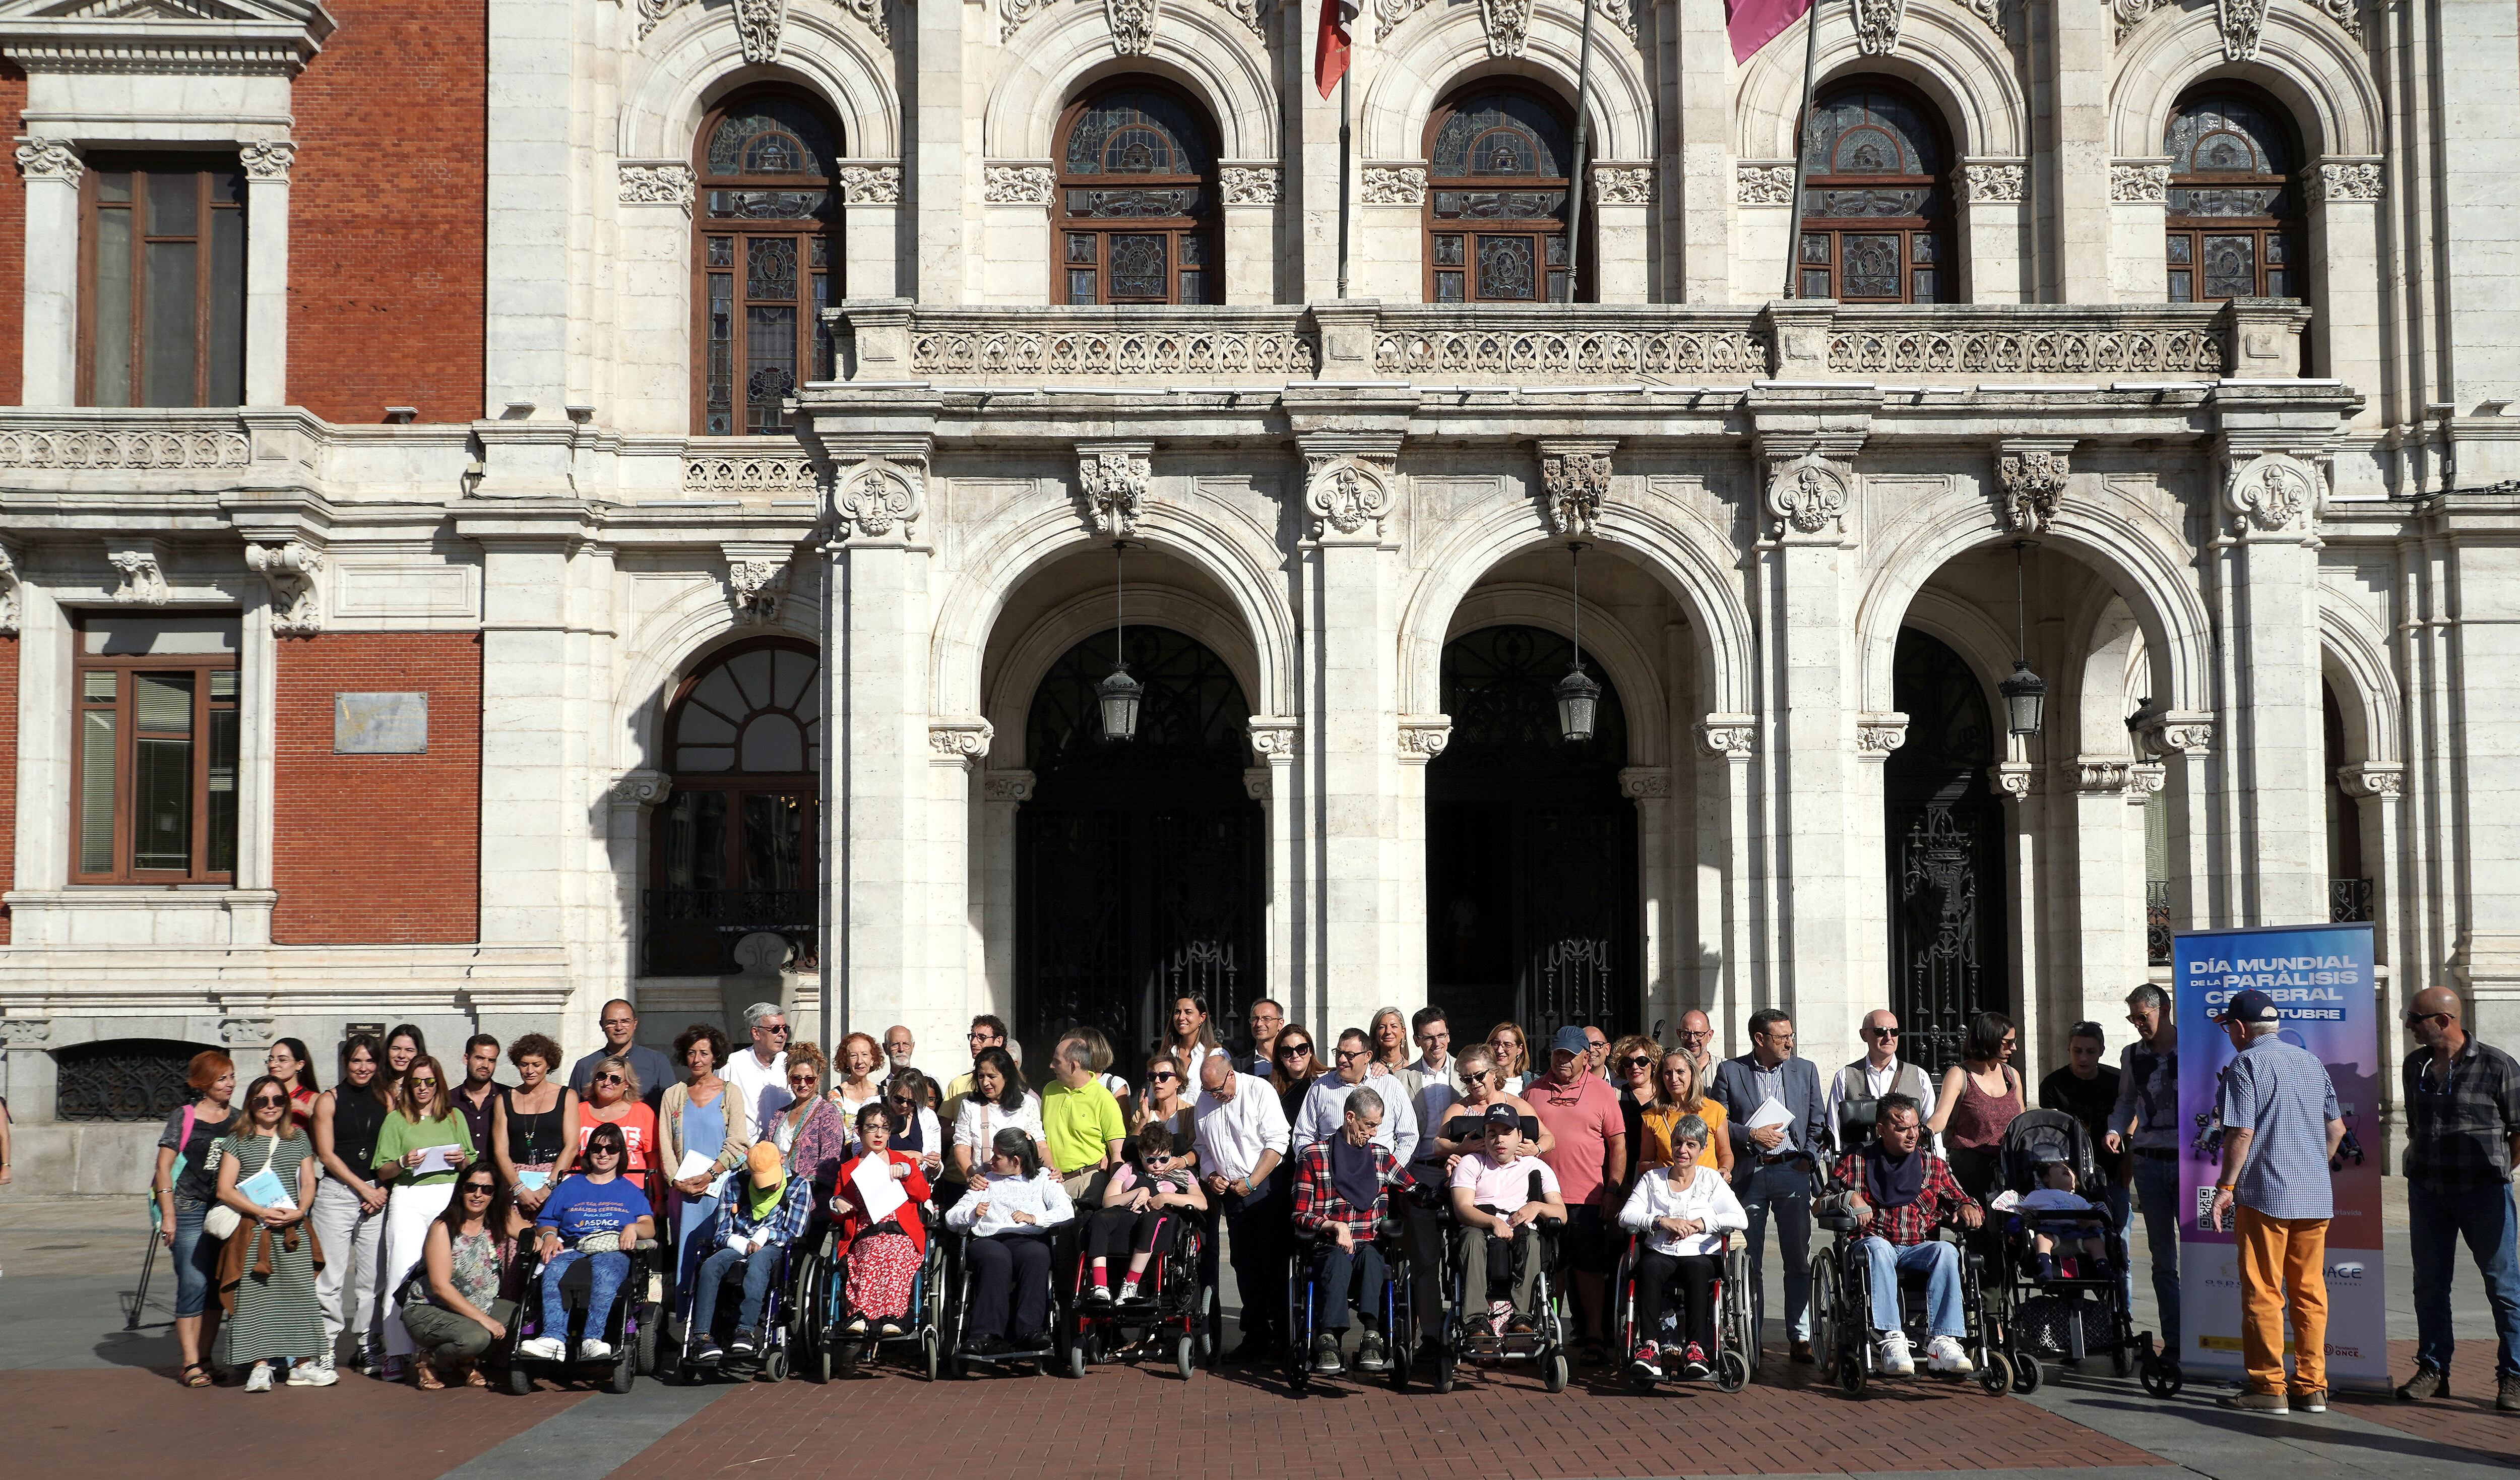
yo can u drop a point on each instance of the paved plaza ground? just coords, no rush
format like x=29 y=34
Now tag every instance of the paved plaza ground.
x=81 y=1396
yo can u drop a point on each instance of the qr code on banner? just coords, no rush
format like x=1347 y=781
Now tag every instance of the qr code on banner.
x=2205 y=1206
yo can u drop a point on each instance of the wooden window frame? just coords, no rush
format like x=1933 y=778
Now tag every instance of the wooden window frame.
x=1207 y=230
x=1580 y=290
x=815 y=346
x=806 y=785
x=123 y=706
x=1832 y=233
x=93 y=206
x=2290 y=230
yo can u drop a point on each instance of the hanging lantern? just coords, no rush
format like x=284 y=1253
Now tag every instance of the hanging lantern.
x=1118 y=695
x=2025 y=694
x=1579 y=703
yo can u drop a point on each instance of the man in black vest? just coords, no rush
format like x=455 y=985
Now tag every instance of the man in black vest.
x=1880 y=1071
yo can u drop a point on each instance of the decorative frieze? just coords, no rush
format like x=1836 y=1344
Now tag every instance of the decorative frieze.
x=2347 y=180
x=2033 y=480
x=1111 y=481
x=2139 y=184
x=964 y=741
x=2027 y=351
x=748 y=473
x=658 y=182
x=1549 y=352
x=1732 y=736
x=1763 y=184
x=1808 y=494
x=1574 y=484
x=144 y=579
x=1133 y=26
x=268 y=159
x=291 y=571
x=123 y=449
x=1422 y=740
x=1993 y=184
x=51 y=160
x=878 y=497
x=1876 y=25
x=1146 y=348
x=1017 y=184
x=871 y=183
x=1395 y=185
x=1623 y=184
x=2273 y=491
x=1247 y=184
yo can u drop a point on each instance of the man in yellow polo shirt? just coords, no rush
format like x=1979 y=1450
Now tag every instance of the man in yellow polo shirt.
x=1079 y=1119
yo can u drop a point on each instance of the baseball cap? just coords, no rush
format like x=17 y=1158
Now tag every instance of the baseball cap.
x=2251 y=1005
x=764 y=1162
x=1503 y=1117
x=1570 y=1040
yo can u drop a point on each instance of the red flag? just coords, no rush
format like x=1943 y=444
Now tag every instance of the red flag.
x=1753 y=23
x=1332 y=45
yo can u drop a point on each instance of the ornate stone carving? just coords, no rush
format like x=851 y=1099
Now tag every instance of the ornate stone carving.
x=1012 y=14
x=1249 y=12
x=1926 y=350
x=749 y=472
x=25 y=1032
x=2344 y=13
x=1808 y=494
x=1735 y=736
x=754 y=583
x=757 y=25
x=1151 y=345
x=144 y=584
x=1646 y=783
x=2144 y=780
x=959 y=740
x=1877 y=735
x=268 y=159
x=1997 y=184
x=1423 y=739
x=1249 y=184
x=871 y=183
x=1876 y=25
x=1255 y=783
x=2273 y=490
x=1507 y=24
x=11 y=601
x=650 y=11
x=660 y=182
x=2167 y=733
x=2139 y=184
x=1111 y=485
x=296 y=600
x=2352 y=180
x=1344 y=496
x=2375 y=779
x=2101 y=775
x=1133 y=26
x=1007 y=786
x=51 y=160
x=877 y=496
x=1763 y=184
x=1017 y=184
x=1574 y=484
x=2015 y=778
x=2033 y=480
x=1273 y=739
x=1553 y=353
x=1395 y=185
x=2131 y=12
x=640 y=788
x=1623 y=184
x=245 y=1032
x=1989 y=11
x=184 y=449
x=2239 y=21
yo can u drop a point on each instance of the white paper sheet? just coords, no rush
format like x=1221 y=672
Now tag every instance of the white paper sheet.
x=878 y=1193
x=693 y=1164
x=436 y=1160
x=531 y=1180
x=1771 y=1113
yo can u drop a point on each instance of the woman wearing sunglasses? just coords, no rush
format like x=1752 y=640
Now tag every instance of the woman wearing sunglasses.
x=912 y=1128
x=1164 y=1104
x=1678 y=1096
x=613 y=1099
x=1464 y=1133
x=267 y=1174
x=425 y=1143
x=464 y=1266
x=1294 y=1064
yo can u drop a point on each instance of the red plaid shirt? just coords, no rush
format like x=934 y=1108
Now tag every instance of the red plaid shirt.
x=1915 y=1223
x=1318 y=1203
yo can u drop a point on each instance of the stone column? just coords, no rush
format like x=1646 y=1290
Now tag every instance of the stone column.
x=2107 y=931
x=2071 y=119
x=1623 y=263
x=2345 y=226
x=2026 y=870
x=2375 y=788
x=941 y=136
x=1422 y=738
x=2138 y=224
x=533 y=78
x=956 y=749
x=1730 y=892
x=1995 y=195
x=1272 y=783
x=1249 y=268
x=1695 y=127
x=48 y=351
x=2268 y=609
x=626 y=806
x=1659 y=897
x=871 y=230
x=266 y=270
x=1002 y=794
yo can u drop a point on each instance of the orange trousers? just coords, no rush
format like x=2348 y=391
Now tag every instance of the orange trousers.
x=2284 y=1268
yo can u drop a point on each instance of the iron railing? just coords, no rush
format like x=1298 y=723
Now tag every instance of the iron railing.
x=2349 y=900
x=692 y=932
x=2156 y=921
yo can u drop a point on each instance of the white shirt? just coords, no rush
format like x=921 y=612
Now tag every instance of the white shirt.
x=1233 y=1133
x=1324 y=1111
x=1438 y=1091
x=1042 y=1195
x=1708 y=1199
x=1196 y=1054
x=761 y=1090
x=1877 y=1082
x=980 y=1121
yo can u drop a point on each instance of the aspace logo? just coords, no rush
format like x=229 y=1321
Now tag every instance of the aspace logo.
x=2350 y=1273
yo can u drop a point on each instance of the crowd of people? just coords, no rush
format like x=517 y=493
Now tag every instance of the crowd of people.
x=379 y=1221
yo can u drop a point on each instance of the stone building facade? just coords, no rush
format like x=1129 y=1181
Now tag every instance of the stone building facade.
x=660 y=527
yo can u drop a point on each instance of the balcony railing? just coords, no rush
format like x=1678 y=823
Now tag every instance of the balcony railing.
x=2348 y=900
x=693 y=932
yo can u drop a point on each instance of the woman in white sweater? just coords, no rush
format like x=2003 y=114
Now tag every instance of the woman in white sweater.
x=1683 y=1211
x=1008 y=1219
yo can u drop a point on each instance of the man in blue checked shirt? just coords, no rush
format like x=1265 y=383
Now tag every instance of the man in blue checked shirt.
x=753 y=1225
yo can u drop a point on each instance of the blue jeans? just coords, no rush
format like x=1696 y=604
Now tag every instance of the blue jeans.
x=1785 y=1187
x=604 y=1273
x=2491 y=1225
x=197 y=1261
x=759 y=1268
x=2122 y=1218
x=1941 y=1263
x=1338 y=1269
x=2156 y=1191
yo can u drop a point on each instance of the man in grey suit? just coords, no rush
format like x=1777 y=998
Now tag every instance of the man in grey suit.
x=1771 y=1165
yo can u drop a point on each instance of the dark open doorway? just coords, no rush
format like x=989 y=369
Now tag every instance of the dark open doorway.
x=1945 y=827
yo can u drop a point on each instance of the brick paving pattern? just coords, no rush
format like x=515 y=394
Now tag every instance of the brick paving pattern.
x=2467 y=1419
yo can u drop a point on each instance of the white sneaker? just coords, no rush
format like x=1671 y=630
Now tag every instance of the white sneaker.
x=259 y=1380
x=1943 y=1355
x=1897 y=1361
x=308 y=1374
x=594 y=1351
x=543 y=1349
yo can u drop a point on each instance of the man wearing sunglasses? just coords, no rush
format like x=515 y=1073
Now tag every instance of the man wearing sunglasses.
x=1324 y=1110
x=1863 y=1083
x=2462 y=1099
x=759 y=1075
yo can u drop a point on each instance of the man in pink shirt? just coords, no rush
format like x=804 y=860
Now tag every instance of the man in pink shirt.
x=1591 y=1159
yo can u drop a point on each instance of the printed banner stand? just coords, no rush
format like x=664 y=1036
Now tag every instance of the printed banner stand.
x=2321 y=981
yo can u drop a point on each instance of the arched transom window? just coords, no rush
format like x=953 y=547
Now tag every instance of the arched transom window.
x=1876 y=212
x=2232 y=217
x=770 y=205
x=1135 y=217
x=1497 y=163
x=735 y=839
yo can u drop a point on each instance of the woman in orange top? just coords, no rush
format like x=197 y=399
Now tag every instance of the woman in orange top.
x=1677 y=1095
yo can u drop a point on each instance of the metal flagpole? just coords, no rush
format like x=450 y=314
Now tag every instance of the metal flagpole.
x=1810 y=69
x=1344 y=75
x=1583 y=138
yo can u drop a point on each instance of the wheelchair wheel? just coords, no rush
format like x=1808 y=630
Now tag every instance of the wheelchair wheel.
x=519 y=1381
x=1998 y=1375
x=1076 y=1358
x=1185 y=1355
x=1826 y=1306
x=1445 y=1366
x=1732 y=1372
x=774 y=1368
x=1404 y=1356
x=933 y=1350
x=1850 y=1369
x=2027 y=1374
x=1554 y=1373
x=2161 y=1378
x=2122 y=1359
x=622 y=1373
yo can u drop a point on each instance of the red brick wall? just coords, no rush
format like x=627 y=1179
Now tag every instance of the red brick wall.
x=8 y=775
x=13 y=273
x=378 y=848
x=386 y=266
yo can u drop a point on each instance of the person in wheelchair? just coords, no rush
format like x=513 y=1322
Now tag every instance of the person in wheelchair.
x=1008 y=1221
x=1899 y=1194
x=1342 y=1190
x=1498 y=1193
x=883 y=1251
x=2055 y=1206
x=599 y=1216
x=1143 y=1204
x=1682 y=1211
x=761 y=1212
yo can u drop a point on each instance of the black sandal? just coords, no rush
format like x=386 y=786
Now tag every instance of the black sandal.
x=194 y=1374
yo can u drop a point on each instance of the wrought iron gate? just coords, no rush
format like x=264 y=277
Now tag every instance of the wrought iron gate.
x=1946 y=855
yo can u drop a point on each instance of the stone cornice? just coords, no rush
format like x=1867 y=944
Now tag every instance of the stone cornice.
x=234 y=38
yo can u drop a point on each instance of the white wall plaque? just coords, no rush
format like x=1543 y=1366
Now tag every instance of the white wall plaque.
x=379 y=724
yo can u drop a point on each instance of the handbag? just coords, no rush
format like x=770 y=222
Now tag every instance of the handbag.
x=222 y=1221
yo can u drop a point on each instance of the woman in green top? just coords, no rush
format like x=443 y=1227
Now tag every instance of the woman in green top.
x=424 y=1118
x=276 y=1320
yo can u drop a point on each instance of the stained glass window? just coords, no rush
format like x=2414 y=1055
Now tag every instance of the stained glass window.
x=2232 y=211
x=1497 y=190
x=1876 y=210
x=1137 y=203
x=770 y=203
x=734 y=842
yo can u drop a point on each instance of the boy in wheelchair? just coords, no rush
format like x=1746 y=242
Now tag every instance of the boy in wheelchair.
x=1898 y=1195
x=1342 y=1194
x=1498 y=1194
x=2057 y=1207
x=760 y=1213
x=597 y=1216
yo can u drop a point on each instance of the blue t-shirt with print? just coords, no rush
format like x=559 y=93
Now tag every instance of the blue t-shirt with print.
x=581 y=1208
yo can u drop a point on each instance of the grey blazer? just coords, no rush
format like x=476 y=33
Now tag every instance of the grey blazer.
x=1736 y=1088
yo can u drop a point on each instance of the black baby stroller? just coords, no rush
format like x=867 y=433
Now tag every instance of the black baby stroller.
x=2070 y=1309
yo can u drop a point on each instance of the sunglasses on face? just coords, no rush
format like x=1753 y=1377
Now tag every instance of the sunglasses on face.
x=610 y=1079
x=271 y=1099
x=983 y=1038
x=420 y=1082
x=1344 y=1055
x=1881 y=1032
x=1162 y=1078
x=1295 y=1050
x=1636 y=1060
x=479 y=1190
x=604 y=1151
x=800 y=1081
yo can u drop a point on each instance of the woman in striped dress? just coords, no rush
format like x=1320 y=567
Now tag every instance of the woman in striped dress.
x=267 y=1173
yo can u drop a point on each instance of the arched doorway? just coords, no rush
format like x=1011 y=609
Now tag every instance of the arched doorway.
x=1946 y=836
x=1138 y=869
x=734 y=843
x=1531 y=852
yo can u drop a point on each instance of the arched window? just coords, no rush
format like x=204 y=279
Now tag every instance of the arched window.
x=1876 y=212
x=1136 y=218
x=770 y=209
x=735 y=841
x=1496 y=167
x=2233 y=218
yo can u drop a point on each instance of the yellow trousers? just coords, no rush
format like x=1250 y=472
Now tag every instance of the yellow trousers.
x=2284 y=1268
